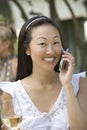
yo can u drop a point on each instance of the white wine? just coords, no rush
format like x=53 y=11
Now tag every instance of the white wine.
x=12 y=122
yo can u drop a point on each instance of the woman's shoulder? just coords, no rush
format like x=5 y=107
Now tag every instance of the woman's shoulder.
x=82 y=94
x=83 y=86
x=76 y=79
x=7 y=83
x=82 y=80
x=9 y=87
x=80 y=74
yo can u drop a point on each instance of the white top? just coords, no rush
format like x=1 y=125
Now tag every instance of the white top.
x=33 y=119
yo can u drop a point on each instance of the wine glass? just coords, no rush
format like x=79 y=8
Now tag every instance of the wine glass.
x=11 y=116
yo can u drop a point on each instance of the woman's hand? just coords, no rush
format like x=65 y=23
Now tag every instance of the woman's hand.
x=3 y=127
x=65 y=74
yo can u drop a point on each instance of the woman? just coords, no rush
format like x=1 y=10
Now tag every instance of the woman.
x=8 y=60
x=50 y=98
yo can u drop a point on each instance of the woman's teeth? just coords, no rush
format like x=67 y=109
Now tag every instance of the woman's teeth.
x=49 y=59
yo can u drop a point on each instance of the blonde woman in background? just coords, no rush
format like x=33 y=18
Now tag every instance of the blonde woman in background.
x=8 y=60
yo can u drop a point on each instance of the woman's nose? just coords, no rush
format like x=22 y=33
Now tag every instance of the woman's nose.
x=50 y=49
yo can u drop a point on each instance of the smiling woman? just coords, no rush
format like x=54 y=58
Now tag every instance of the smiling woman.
x=50 y=99
x=46 y=46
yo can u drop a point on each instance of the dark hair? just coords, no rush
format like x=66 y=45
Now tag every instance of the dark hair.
x=24 y=61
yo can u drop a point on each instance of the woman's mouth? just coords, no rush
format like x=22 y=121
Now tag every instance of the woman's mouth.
x=51 y=59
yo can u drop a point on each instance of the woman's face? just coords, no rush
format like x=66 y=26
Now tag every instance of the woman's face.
x=45 y=47
x=4 y=48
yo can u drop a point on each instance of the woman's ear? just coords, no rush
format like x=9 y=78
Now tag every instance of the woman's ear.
x=28 y=51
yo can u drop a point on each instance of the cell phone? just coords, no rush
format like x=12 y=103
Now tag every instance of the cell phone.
x=63 y=64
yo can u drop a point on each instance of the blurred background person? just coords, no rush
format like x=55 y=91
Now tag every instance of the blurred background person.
x=8 y=60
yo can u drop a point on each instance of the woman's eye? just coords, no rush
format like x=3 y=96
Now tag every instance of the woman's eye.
x=56 y=42
x=43 y=44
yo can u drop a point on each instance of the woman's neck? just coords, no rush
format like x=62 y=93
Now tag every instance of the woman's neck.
x=45 y=77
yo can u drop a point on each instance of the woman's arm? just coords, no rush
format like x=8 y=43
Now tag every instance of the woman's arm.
x=76 y=110
x=82 y=95
x=3 y=97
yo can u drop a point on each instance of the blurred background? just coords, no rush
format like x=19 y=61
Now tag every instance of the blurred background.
x=70 y=14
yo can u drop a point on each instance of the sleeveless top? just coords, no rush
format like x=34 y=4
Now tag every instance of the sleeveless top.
x=33 y=119
x=6 y=69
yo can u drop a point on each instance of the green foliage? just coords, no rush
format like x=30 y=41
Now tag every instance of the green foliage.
x=5 y=11
x=16 y=48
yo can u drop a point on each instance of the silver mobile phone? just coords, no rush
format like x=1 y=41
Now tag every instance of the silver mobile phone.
x=63 y=64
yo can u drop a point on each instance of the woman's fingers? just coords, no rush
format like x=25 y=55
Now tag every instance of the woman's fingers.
x=68 y=57
x=3 y=127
